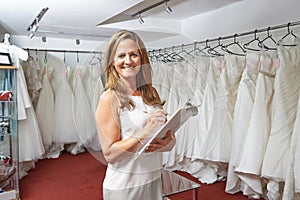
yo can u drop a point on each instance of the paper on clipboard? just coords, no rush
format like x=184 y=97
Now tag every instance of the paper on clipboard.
x=173 y=124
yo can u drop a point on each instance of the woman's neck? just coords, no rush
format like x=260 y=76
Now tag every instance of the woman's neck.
x=130 y=86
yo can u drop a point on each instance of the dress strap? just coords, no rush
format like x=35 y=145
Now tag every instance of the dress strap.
x=119 y=102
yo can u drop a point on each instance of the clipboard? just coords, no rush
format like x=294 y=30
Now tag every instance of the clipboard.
x=173 y=124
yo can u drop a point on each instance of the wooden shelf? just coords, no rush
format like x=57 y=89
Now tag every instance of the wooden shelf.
x=7 y=67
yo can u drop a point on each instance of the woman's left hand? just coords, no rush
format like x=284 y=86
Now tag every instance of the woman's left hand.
x=162 y=144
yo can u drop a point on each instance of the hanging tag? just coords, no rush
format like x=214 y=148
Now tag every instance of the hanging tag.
x=64 y=72
x=276 y=63
x=223 y=63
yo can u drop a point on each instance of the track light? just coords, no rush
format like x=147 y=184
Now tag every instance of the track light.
x=34 y=26
x=31 y=35
x=138 y=13
x=141 y=19
x=167 y=8
x=44 y=39
x=77 y=41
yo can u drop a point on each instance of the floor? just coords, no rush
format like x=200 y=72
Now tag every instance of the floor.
x=79 y=178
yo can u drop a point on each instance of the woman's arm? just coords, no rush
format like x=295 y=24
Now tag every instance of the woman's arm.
x=162 y=144
x=107 y=119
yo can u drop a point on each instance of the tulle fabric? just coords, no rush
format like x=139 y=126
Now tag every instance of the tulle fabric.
x=85 y=123
x=65 y=131
x=44 y=109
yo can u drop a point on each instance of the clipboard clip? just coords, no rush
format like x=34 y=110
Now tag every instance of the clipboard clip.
x=193 y=108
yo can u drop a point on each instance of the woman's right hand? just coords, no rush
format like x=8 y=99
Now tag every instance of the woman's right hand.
x=157 y=117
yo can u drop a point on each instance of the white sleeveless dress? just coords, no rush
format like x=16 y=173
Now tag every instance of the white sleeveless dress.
x=285 y=99
x=30 y=146
x=130 y=178
x=241 y=118
x=44 y=109
x=292 y=181
x=93 y=85
x=250 y=162
x=65 y=131
x=206 y=173
x=177 y=98
x=199 y=78
x=217 y=144
x=83 y=116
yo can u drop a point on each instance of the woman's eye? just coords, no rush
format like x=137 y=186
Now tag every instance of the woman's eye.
x=121 y=56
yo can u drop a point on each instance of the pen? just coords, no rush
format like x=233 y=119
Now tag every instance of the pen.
x=149 y=113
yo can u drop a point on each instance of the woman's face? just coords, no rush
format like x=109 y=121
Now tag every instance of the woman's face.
x=127 y=59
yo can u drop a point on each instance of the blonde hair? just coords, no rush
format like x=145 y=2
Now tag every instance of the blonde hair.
x=144 y=76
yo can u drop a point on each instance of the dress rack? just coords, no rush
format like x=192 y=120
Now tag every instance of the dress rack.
x=64 y=51
x=288 y=25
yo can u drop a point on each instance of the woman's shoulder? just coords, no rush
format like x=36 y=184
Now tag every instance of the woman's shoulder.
x=108 y=97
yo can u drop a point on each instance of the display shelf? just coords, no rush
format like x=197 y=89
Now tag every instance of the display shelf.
x=9 y=144
x=7 y=67
x=12 y=195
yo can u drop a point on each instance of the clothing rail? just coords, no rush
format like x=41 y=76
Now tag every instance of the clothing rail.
x=190 y=44
x=64 y=51
x=236 y=35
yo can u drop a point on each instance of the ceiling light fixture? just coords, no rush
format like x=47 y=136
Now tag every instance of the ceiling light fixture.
x=31 y=35
x=141 y=19
x=34 y=26
x=167 y=8
x=77 y=41
x=44 y=39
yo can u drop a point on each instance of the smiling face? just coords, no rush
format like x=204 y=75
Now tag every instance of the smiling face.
x=127 y=60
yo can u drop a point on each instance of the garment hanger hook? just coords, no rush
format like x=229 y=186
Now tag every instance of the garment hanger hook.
x=268 y=31
x=45 y=59
x=234 y=38
x=65 y=57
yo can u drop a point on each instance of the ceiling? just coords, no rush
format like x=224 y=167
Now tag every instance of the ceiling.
x=74 y=19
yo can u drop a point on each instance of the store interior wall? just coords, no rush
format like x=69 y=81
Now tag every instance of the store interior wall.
x=237 y=18
x=2 y=30
x=240 y=17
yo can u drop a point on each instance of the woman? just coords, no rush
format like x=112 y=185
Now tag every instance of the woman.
x=125 y=118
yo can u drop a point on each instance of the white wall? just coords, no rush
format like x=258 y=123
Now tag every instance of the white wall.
x=243 y=16
x=57 y=43
x=240 y=17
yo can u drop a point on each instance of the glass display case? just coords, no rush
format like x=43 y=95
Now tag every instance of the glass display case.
x=173 y=183
x=9 y=180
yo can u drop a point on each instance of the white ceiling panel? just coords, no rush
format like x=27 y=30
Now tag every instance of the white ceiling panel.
x=67 y=19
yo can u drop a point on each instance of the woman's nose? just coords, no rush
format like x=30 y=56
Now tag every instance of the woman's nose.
x=128 y=59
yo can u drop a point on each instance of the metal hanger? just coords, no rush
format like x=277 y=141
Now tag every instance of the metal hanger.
x=256 y=39
x=196 y=50
x=95 y=60
x=234 y=44
x=213 y=50
x=289 y=33
x=262 y=43
x=204 y=50
x=183 y=51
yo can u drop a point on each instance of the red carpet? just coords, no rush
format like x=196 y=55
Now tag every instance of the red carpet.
x=80 y=178
x=67 y=177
